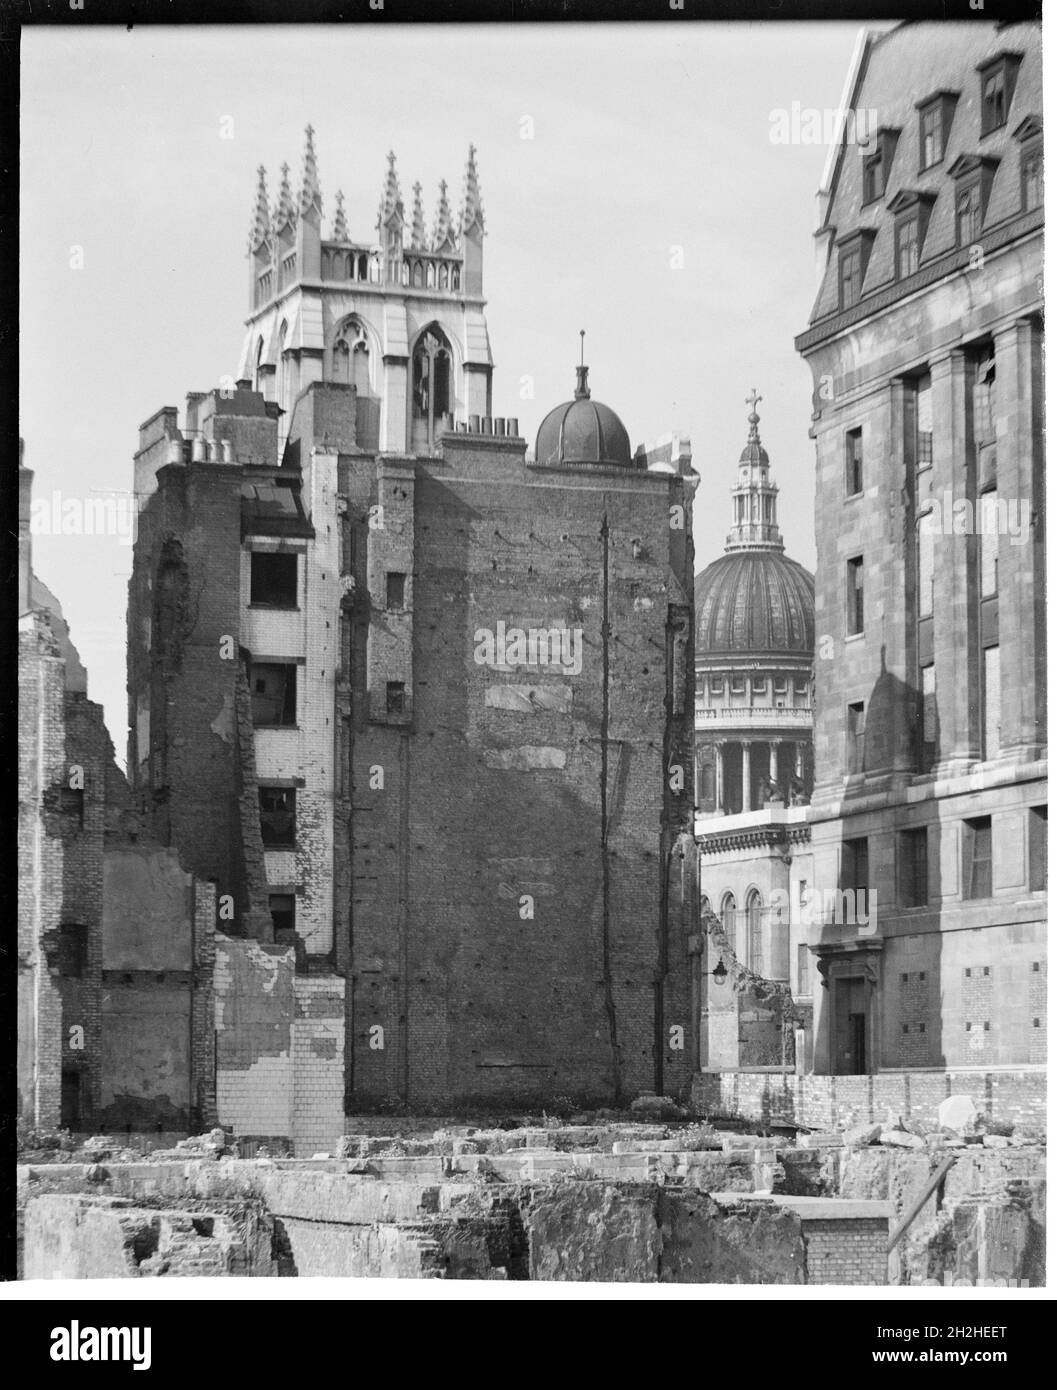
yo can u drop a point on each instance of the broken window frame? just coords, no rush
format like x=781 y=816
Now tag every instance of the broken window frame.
x=278 y=815
x=285 y=700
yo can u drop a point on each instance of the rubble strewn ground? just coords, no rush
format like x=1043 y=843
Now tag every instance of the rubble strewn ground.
x=615 y=1199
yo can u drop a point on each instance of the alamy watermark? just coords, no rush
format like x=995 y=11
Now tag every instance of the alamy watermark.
x=111 y=514
x=817 y=907
x=989 y=515
x=511 y=647
x=806 y=125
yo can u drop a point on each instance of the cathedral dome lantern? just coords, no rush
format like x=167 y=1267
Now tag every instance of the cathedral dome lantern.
x=583 y=431
x=755 y=600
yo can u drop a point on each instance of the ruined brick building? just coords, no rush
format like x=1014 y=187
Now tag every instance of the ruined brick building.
x=419 y=704
x=925 y=345
x=115 y=967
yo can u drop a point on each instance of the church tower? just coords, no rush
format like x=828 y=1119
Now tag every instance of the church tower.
x=399 y=318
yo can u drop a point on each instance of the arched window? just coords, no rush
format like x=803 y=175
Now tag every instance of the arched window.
x=431 y=379
x=455 y=277
x=431 y=275
x=418 y=275
x=442 y=281
x=350 y=357
x=728 y=912
x=754 y=916
x=339 y=362
x=361 y=369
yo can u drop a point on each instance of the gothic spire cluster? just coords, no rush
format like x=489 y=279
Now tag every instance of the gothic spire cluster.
x=450 y=230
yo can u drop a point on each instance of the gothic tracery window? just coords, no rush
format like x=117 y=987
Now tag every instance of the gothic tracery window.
x=431 y=380
x=350 y=358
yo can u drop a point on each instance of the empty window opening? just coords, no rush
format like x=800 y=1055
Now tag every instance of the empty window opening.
x=72 y=955
x=273 y=693
x=394 y=589
x=282 y=906
x=273 y=578
x=278 y=816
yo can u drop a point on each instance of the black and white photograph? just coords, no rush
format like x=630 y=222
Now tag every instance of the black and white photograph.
x=532 y=648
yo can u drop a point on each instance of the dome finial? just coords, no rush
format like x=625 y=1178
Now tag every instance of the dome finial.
x=753 y=400
x=582 y=391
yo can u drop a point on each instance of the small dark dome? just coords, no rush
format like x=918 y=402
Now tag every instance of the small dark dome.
x=583 y=431
x=756 y=601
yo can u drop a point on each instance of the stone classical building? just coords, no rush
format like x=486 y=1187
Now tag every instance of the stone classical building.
x=420 y=704
x=925 y=345
x=115 y=967
x=755 y=626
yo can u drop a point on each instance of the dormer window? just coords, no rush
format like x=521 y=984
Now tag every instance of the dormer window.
x=1031 y=179
x=853 y=253
x=973 y=175
x=872 y=178
x=998 y=78
x=967 y=214
x=936 y=114
x=850 y=277
x=911 y=211
x=876 y=164
x=1029 y=133
x=907 y=247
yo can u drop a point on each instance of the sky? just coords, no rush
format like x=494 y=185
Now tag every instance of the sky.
x=631 y=188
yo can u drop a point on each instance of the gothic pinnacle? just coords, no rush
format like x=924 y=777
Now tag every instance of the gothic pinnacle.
x=284 y=208
x=392 y=203
x=443 y=231
x=418 y=221
x=311 y=194
x=261 y=221
x=472 y=209
x=341 y=227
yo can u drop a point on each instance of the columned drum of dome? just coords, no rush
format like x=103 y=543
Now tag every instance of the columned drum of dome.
x=754 y=642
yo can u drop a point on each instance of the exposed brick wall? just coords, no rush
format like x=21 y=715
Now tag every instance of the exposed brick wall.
x=1011 y=1097
x=280 y=1041
x=847 y=1252
x=494 y=797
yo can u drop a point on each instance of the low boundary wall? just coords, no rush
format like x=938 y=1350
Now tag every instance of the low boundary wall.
x=834 y=1102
